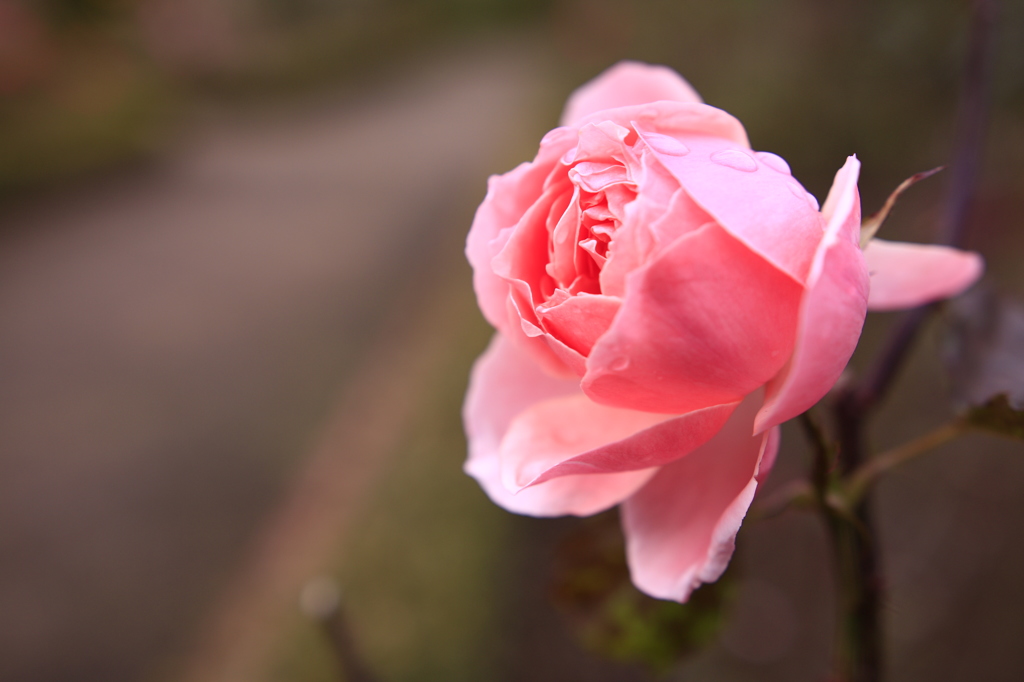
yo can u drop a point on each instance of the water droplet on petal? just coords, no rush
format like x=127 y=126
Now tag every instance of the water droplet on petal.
x=774 y=161
x=800 y=193
x=619 y=364
x=666 y=144
x=735 y=159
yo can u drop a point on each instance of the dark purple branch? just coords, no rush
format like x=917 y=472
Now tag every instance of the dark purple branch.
x=862 y=591
x=972 y=122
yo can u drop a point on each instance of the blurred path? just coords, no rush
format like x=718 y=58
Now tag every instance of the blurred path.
x=299 y=540
x=172 y=340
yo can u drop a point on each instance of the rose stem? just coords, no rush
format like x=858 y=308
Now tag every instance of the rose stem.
x=841 y=531
x=859 y=573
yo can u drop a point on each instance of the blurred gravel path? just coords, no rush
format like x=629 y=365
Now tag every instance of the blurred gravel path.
x=172 y=342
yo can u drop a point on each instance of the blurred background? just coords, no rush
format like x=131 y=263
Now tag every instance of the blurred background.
x=237 y=325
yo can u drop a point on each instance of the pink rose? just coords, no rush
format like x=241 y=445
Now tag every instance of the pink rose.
x=664 y=298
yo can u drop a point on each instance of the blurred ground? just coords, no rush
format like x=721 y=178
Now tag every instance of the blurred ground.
x=174 y=335
x=237 y=327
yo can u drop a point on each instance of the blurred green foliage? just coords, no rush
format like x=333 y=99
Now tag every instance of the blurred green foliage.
x=68 y=12
x=999 y=416
x=94 y=86
x=611 y=618
x=308 y=43
x=100 y=111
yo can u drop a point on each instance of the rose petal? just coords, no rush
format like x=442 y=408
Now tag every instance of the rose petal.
x=705 y=323
x=678 y=120
x=524 y=257
x=554 y=356
x=832 y=311
x=766 y=209
x=509 y=196
x=506 y=381
x=625 y=84
x=521 y=264
x=579 y=322
x=908 y=275
x=562 y=239
x=771 y=451
x=551 y=432
x=662 y=213
x=574 y=435
x=681 y=527
x=601 y=143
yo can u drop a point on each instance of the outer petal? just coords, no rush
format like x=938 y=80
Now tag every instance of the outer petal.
x=832 y=311
x=752 y=195
x=907 y=275
x=574 y=435
x=680 y=120
x=625 y=84
x=681 y=527
x=705 y=323
x=505 y=382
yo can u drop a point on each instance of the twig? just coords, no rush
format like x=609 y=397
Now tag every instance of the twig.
x=860 y=480
x=321 y=602
x=869 y=228
x=793 y=495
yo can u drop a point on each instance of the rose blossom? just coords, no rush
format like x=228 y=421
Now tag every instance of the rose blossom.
x=664 y=299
